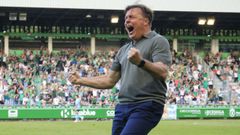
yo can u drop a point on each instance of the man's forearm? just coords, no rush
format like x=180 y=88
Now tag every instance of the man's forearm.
x=99 y=82
x=157 y=70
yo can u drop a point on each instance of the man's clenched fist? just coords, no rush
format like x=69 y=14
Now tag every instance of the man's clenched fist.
x=73 y=77
x=134 y=56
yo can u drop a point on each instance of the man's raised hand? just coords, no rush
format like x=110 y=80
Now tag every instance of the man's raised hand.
x=73 y=78
x=134 y=56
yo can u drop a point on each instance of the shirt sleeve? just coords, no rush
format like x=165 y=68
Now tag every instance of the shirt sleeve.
x=116 y=66
x=161 y=51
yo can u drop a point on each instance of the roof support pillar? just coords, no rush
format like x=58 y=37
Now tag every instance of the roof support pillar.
x=175 y=44
x=50 y=45
x=215 y=46
x=6 y=45
x=93 y=45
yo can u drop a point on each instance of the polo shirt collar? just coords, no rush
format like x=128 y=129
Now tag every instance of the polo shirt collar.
x=151 y=34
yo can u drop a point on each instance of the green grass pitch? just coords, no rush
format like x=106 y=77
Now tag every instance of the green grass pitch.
x=91 y=127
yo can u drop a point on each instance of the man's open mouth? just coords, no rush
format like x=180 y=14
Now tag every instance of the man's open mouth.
x=130 y=29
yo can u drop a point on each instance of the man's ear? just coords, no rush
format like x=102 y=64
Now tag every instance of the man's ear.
x=146 y=21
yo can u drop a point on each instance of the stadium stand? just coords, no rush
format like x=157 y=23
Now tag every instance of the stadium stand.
x=37 y=55
x=41 y=79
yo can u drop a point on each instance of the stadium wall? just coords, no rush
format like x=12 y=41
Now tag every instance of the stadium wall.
x=170 y=112
x=54 y=113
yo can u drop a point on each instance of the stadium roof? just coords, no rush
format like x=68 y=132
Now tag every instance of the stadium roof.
x=101 y=18
x=156 y=5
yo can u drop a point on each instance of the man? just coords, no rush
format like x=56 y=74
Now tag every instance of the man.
x=77 y=108
x=142 y=65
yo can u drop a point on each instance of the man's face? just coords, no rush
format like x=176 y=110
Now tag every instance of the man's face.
x=135 y=23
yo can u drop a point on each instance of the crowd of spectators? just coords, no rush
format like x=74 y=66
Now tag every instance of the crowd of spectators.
x=228 y=71
x=192 y=83
x=39 y=79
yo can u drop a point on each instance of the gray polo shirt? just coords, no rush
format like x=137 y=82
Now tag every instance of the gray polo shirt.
x=137 y=85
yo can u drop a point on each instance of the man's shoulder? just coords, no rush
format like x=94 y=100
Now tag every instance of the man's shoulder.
x=158 y=35
x=125 y=46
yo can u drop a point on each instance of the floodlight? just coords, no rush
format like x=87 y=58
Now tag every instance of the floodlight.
x=88 y=16
x=211 y=21
x=22 y=16
x=114 y=19
x=13 y=16
x=202 y=21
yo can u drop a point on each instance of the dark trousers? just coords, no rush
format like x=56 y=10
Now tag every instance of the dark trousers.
x=136 y=118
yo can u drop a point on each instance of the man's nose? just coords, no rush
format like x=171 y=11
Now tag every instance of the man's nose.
x=127 y=19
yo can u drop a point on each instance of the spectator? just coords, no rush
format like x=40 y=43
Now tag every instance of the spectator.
x=77 y=107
